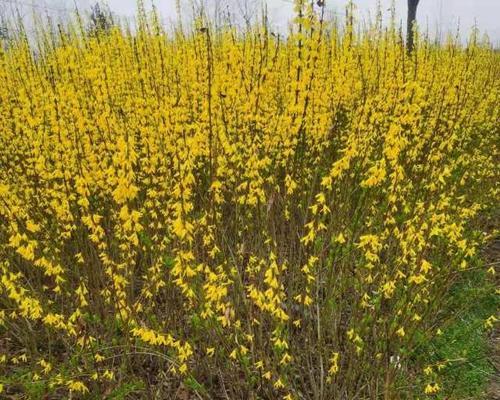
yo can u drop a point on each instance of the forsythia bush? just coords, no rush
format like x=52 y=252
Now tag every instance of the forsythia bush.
x=240 y=215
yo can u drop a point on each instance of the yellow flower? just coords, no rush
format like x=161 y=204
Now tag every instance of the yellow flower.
x=334 y=364
x=279 y=384
x=47 y=367
x=340 y=238
x=109 y=375
x=32 y=227
x=183 y=369
x=490 y=321
x=432 y=388
x=77 y=386
x=210 y=351
x=285 y=359
x=426 y=266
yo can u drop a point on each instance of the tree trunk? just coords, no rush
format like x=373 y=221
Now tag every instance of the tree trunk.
x=412 y=16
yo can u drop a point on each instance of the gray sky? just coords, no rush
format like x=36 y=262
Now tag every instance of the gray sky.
x=446 y=14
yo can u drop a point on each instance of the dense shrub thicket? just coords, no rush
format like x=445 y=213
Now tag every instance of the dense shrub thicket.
x=225 y=214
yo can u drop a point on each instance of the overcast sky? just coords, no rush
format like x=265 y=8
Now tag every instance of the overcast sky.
x=447 y=14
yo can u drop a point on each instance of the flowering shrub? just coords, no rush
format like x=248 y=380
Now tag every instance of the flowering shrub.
x=238 y=214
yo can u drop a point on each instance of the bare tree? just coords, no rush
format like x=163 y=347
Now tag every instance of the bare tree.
x=246 y=10
x=101 y=18
x=4 y=29
x=412 y=16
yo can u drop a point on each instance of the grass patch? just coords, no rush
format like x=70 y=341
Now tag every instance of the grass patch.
x=464 y=343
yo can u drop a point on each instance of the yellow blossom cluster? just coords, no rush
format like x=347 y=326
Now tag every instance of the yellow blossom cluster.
x=277 y=216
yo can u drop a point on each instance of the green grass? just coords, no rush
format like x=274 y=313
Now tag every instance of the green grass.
x=465 y=340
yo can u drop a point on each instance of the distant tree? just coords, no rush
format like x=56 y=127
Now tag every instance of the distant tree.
x=4 y=32
x=412 y=17
x=101 y=18
x=4 y=29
